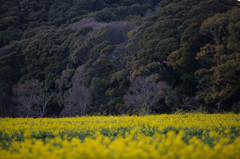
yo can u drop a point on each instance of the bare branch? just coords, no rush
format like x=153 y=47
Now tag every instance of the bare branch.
x=32 y=98
x=144 y=93
x=79 y=96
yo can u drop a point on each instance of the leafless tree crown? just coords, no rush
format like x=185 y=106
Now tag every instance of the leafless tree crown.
x=79 y=97
x=144 y=93
x=31 y=98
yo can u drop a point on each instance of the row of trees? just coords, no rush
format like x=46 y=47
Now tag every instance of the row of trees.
x=32 y=100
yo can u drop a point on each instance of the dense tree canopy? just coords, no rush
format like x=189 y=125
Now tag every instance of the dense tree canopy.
x=193 y=47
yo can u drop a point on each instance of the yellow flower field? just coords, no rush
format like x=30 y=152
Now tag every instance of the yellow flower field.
x=179 y=136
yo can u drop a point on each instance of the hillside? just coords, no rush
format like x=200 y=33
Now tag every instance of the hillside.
x=77 y=57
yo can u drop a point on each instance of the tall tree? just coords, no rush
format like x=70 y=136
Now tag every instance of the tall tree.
x=31 y=98
x=144 y=93
x=79 y=99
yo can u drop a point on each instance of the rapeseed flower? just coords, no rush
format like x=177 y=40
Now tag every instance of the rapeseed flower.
x=154 y=136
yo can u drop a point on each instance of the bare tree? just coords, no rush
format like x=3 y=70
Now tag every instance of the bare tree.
x=144 y=93
x=42 y=100
x=31 y=98
x=25 y=94
x=79 y=97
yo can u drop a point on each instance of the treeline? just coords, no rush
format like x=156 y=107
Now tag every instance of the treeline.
x=77 y=57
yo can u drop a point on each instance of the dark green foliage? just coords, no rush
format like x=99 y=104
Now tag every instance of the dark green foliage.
x=191 y=45
x=219 y=75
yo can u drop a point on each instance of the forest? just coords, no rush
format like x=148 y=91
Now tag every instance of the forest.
x=64 y=58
